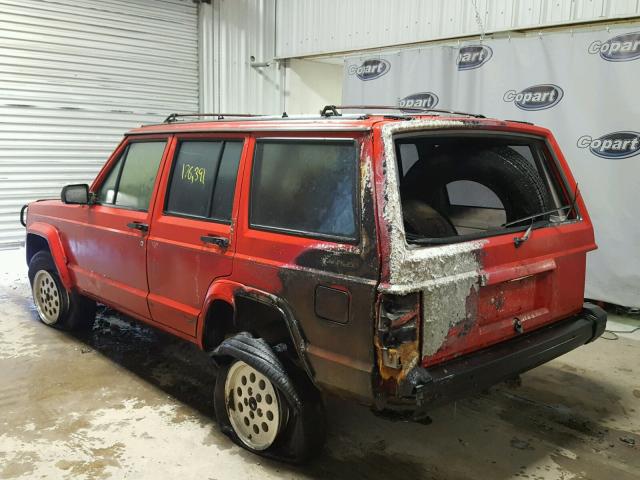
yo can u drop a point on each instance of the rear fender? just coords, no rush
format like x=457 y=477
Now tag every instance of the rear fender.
x=237 y=295
x=52 y=236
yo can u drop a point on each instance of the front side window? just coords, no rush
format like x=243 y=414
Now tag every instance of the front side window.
x=107 y=192
x=305 y=186
x=129 y=184
x=203 y=179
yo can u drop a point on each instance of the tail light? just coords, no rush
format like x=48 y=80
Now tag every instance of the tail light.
x=398 y=325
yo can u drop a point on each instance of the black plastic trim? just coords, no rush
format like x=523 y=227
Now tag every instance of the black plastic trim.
x=23 y=220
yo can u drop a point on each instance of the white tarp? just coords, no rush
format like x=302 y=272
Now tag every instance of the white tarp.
x=584 y=86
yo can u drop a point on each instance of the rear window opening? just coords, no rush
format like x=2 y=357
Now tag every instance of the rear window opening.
x=464 y=186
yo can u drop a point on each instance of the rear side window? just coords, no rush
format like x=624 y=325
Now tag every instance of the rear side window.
x=306 y=187
x=129 y=184
x=203 y=179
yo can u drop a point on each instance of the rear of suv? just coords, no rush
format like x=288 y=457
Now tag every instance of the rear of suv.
x=401 y=260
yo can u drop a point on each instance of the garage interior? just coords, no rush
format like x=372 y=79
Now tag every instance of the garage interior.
x=127 y=401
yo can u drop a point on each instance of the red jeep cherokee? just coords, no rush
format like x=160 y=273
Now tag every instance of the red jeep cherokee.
x=402 y=260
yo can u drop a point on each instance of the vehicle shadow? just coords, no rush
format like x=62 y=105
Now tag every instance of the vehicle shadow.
x=168 y=363
x=501 y=434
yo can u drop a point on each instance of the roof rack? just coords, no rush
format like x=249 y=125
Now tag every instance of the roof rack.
x=174 y=117
x=332 y=110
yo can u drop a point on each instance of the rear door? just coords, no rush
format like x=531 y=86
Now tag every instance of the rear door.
x=191 y=241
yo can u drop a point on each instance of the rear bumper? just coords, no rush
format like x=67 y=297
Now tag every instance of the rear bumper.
x=475 y=372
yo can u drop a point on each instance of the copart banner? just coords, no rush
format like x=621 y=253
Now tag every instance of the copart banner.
x=584 y=86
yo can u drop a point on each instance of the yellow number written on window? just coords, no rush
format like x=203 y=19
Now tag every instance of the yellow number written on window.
x=193 y=174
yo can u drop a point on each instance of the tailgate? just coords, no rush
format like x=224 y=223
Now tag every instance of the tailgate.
x=487 y=225
x=516 y=290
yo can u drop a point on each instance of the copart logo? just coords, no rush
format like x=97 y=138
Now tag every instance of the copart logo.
x=473 y=56
x=537 y=97
x=622 y=48
x=614 y=145
x=422 y=100
x=370 y=69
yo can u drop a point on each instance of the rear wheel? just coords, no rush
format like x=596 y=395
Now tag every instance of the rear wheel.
x=56 y=306
x=253 y=406
x=255 y=415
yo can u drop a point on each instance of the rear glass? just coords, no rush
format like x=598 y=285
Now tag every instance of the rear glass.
x=305 y=187
x=462 y=187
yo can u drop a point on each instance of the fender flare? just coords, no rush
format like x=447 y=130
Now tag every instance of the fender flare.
x=218 y=290
x=52 y=236
x=258 y=354
x=227 y=290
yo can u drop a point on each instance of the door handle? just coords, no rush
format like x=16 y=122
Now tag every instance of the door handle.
x=222 y=242
x=143 y=227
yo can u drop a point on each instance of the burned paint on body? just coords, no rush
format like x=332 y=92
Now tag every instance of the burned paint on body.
x=447 y=275
x=341 y=354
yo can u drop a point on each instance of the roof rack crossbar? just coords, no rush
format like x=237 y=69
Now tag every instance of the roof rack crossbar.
x=333 y=108
x=220 y=116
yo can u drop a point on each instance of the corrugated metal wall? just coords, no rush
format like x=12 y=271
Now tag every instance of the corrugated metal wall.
x=311 y=27
x=239 y=30
x=73 y=77
x=234 y=30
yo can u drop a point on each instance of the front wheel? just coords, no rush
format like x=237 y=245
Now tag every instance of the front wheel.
x=256 y=416
x=56 y=306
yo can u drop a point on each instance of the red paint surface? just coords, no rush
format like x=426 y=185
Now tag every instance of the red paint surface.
x=168 y=277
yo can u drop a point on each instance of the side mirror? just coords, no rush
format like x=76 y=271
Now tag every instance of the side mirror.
x=77 y=194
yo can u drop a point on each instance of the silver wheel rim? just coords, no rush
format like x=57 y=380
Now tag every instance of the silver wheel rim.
x=252 y=405
x=46 y=297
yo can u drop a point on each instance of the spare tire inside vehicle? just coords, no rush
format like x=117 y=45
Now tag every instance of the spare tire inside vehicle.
x=513 y=179
x=423 y=220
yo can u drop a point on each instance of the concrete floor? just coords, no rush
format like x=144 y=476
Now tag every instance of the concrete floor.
x=125 y=401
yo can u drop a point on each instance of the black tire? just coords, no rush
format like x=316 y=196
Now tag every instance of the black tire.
x=423 y=220
x=75 y=312
x=513 y=179
x=300 y=437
